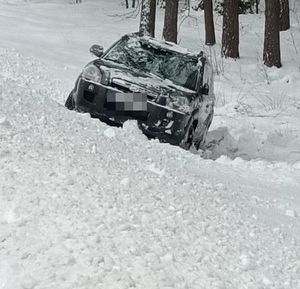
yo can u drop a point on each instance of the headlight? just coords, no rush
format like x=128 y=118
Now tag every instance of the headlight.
x=92 y=72
x=180 y=103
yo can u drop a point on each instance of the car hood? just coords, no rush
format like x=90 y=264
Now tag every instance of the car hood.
x=138 y=81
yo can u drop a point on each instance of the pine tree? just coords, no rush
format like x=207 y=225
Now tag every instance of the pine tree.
x=152 y=17
x=271 y=53
x=284 y=15
x=171 y=18
x=210 y=38
x=230 y=36
x=245 y=6
x=256 y=6
x=147 y=21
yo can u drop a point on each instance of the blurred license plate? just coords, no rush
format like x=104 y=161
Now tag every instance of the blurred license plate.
x=127 y=102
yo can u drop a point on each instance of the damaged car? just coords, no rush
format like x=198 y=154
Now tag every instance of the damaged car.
x=166 y=88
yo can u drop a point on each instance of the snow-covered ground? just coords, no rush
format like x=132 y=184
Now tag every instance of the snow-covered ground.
x=84 y=205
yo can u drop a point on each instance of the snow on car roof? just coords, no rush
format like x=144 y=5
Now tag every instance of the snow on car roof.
x=166 y=45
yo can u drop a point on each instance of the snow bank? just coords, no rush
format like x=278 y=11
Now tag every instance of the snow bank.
x=84 y=205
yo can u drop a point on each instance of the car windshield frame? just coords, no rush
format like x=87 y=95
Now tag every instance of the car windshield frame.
x=139 y=54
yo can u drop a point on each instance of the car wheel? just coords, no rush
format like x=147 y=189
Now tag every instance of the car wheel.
x=188 y=139
x=200 y=144
x=69 y=104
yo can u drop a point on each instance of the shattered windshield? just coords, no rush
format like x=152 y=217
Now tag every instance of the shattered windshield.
x=135 y=53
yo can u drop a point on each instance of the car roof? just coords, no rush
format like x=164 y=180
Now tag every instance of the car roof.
x=165 y=45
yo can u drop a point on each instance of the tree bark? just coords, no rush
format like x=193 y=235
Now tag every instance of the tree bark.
x=284 y=15
x=147 y=21
x=271 y=53
x=171 y=18
x=256 y=6
x=152 y=18
x=210 y=38
x=230 y=36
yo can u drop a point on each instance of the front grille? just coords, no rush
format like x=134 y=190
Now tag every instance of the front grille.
x=150 y=96
x=120 y=87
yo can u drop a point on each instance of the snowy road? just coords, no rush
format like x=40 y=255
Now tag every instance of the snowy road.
x=83 y=205
x=86 y=206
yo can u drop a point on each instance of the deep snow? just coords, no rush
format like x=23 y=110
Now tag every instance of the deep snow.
x=84 y=205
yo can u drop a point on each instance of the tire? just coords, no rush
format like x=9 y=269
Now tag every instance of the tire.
x=69 y=104
x=188 y=139
x=201 y=143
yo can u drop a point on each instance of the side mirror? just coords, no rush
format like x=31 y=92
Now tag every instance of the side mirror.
x=97 y=50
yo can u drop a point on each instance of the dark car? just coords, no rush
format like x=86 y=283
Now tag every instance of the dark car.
x=168 y=89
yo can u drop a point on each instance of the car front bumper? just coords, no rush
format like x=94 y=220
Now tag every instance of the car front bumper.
x=159 y=121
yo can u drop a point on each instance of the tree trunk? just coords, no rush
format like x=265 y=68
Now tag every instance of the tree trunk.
x=145 y=16
x=161 y=3
x=210 y=38
x=171 y=18
x=133 y=4
x=152 y=18
x=126 y=4
x=272 y=35
x=284 y=15
x=230 y=36
x=256 y=6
